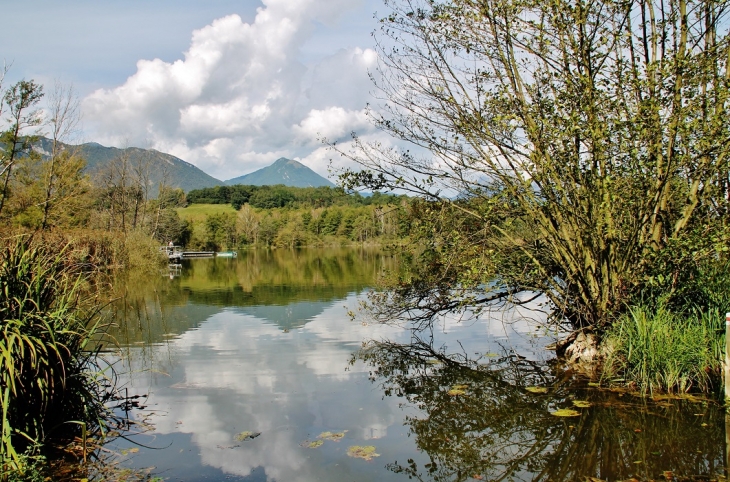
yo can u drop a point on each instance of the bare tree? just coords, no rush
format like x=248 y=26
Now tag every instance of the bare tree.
x=141 y=171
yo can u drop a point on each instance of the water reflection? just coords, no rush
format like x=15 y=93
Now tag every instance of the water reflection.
x=284 y=287
x=498 y=430
x=262 y=343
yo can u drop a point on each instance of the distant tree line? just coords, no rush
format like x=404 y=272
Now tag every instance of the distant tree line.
x=279 y=196
x=303 y=226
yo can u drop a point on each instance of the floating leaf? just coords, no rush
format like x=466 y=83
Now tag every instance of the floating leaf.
x=455 y=392
x=312 y=444
x=366 y=452
x=333 y=436
x=582 y=403
x=565 y=412
x=247 y=435
x=537 y=389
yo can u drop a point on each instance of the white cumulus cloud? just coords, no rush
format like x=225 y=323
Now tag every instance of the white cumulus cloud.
x=240 y=97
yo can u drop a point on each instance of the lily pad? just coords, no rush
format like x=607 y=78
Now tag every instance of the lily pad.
x=565 y=412
x=247 y=435
x=366 y=452
x=455 y=392
x=312 y=444
x=537 y=389
x=582 y=403
x=333 y=436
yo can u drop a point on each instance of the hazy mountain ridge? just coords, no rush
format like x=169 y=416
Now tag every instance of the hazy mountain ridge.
x=159 y=165
x=283 y=171
x=178 y=173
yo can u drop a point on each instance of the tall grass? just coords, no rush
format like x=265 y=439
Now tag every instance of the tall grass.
x=658 y=350
x=48 y=377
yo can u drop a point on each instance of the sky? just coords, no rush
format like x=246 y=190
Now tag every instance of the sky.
x=229 y=86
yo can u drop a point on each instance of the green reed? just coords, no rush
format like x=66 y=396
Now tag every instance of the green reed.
x=49 y=379
x=659 y=350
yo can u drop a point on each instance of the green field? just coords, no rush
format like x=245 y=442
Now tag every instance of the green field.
x=198 y=212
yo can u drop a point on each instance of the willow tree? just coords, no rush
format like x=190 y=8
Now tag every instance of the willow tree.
x=601 y=126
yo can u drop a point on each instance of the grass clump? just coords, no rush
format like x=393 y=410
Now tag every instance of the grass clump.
x=659 y=350
x=50 y=385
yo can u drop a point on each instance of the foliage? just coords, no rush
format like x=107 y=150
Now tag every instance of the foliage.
x=21 y=99
x=31 y=468
x=48 y=376
x=689 y=275
x=659 y=350
x=286 y=196
x=587 y=136
x=171 y=228
x=67 y=204
x=214 y=226
x=221 y=231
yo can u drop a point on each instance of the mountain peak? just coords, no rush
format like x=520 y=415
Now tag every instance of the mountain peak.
x=283 y=171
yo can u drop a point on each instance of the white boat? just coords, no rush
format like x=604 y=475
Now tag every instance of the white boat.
x=227 y=254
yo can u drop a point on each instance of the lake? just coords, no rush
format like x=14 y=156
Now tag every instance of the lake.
x=251 y=369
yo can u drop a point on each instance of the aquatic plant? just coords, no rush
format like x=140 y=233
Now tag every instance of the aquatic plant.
x=333 y=436
x=658 y=350
x=51 y=386
x=246 y=435
x=366 y=452
x=565 y=412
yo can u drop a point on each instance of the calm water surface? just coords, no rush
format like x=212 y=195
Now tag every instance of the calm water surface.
x=263 y=344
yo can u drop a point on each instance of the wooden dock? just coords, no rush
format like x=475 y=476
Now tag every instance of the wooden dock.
x=198 y=254
x=175 y=253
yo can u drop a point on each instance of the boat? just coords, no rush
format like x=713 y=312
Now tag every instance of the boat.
x=227 y=254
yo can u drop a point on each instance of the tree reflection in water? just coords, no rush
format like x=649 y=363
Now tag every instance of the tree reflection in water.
x=498 y=430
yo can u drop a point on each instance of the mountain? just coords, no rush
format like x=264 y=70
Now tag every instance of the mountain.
x=282 y=171
x=178 y=172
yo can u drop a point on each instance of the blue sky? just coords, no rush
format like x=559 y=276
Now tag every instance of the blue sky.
x=227 y=85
